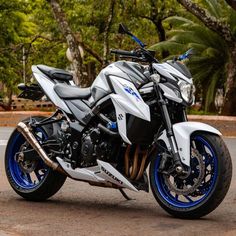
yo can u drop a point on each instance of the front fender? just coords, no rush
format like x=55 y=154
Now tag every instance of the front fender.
x=182 y=132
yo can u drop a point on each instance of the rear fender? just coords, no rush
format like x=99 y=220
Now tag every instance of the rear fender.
x=47 y=86
x=182 y=132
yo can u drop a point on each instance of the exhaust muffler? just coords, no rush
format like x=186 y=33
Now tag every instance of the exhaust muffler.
x=24 y=130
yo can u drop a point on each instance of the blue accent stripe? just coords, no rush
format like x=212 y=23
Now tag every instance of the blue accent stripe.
x=138 y=41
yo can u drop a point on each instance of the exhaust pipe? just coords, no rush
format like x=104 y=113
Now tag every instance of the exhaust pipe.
x=24 y=130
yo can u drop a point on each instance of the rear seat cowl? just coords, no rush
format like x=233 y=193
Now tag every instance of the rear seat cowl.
x=55 y=73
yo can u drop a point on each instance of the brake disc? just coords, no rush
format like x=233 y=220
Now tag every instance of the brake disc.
x=25 y=165
x=185 y=185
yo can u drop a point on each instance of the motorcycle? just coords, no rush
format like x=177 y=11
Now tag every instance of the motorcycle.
x=130 y=122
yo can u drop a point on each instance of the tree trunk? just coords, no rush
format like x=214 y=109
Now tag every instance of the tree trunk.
x=7 y=105
x=210 y=21
x=71 y=40
x=161 y=35
x=232 y=3
x=223 y=30
x=160 y=30
x=91 y=52
x=156 y=17
x=229 y=107
x=106 y=32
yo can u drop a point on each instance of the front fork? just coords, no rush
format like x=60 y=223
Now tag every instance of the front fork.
x=170 y=134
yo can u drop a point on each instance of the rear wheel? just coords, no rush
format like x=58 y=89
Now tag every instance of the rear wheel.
x=203 y=188
x=31 y=179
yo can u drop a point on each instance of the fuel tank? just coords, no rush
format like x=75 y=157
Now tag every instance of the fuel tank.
x=129 y=71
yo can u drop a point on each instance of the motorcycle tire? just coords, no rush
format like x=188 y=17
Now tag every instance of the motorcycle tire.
x=32 y=180
x=211 y=165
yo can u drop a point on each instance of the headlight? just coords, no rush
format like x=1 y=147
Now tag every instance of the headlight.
x=187 y=91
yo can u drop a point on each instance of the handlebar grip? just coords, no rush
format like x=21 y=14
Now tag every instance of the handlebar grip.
x=123 y=53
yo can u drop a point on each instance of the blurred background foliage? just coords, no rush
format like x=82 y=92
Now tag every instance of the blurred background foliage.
x=30 y=32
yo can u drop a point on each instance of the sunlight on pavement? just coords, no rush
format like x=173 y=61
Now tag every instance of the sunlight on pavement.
x=3 y=142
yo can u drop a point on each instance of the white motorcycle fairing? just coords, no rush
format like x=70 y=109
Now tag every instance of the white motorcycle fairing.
x=182 y=132
x=127 y=100
x=47 y=86
x=102 y=173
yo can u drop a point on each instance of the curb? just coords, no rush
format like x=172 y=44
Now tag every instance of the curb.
x=215 y=118
x=226 y=124
x=12 y=118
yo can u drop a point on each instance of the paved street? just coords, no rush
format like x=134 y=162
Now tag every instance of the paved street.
x=79 y=209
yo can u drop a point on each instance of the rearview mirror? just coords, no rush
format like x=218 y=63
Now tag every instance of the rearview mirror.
x=190 y=52
x=123 y=29
x=186 y=55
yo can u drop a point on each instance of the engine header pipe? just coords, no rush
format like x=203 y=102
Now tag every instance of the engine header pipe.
x=24 y=130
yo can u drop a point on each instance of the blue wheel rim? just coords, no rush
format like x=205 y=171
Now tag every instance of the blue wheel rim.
x=187 y=201
x=26 y=181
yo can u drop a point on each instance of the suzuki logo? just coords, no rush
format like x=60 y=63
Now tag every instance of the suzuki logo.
x=120 y=117
x=132 y=92
x=111 y=175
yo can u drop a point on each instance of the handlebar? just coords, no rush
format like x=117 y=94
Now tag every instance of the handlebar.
x=124 y=53
x=141 y=54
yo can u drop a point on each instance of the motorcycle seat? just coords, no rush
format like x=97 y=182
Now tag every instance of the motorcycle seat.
x=71 y=92
x=55 y=73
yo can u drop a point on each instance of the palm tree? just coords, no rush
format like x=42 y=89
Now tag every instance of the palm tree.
x=209 y=64
x=232 y=3
x=219 y=17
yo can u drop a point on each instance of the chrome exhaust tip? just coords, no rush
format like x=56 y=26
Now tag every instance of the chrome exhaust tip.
x=24 y=130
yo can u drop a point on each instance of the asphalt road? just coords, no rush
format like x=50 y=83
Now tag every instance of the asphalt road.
x=79 y=209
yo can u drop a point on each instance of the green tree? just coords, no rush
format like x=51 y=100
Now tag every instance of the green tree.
x=15 y=28
x=232 y=3
x=93 y=25
x=70 y=38
x=208 y=65
x=154 y=12
x=225 y=28
x=212 y=66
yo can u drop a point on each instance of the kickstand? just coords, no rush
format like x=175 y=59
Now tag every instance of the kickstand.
x=125 y=195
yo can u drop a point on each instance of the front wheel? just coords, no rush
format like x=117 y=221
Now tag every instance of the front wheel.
x=203 y=188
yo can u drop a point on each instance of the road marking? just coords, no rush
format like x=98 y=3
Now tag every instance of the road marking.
x=3 y=142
